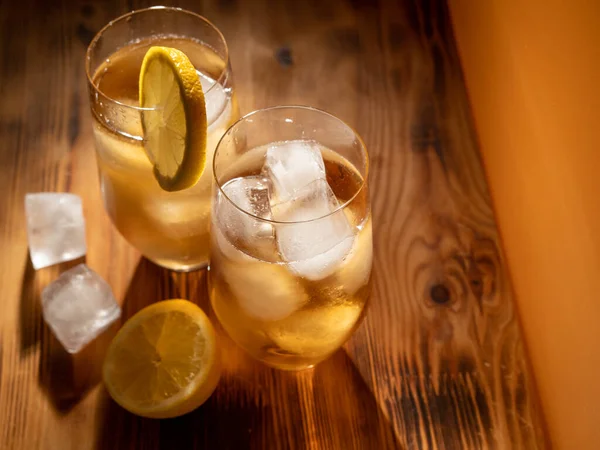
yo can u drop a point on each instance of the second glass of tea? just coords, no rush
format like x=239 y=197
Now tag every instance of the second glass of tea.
x=291 y=239
x=169 y=228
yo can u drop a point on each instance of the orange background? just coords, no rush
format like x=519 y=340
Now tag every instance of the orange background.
x=532 y=70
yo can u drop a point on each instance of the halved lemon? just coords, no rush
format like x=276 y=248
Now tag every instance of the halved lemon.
x=164 y=361
x=173 y=118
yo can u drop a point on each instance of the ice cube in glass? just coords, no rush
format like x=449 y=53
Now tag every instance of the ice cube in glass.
x=247 y=195
x=291 y=166
x=317 y=236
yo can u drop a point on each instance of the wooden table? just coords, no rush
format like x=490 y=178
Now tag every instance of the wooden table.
x=437 y=364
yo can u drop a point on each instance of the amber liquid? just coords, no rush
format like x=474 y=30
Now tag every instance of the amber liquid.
x=169 y=228
x=278 y=316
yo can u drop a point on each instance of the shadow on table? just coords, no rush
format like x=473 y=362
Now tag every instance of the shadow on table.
x=330 y=407
x=151 y=283
x=30 y=310
x=67 y=378
x=64 y=377
x=253 y=406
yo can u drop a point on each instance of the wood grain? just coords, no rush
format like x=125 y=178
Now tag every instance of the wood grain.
x=437 y=364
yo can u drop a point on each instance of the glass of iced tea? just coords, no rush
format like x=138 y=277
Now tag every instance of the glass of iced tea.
x=291 y=241
x=169 y=228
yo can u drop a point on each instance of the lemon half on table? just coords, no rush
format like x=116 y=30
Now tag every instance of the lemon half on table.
x=164 y=361
x=173 y=117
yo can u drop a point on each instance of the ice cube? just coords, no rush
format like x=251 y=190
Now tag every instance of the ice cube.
x=314 y=249
x=265 y=291
x=55 y=228
x=291 y=166
x=319 y=240
x=78 y=306
x=355 y=272
x=315 y=332
x=247 y=195
x=216 y=99
x=179 y=218
x=250 y=194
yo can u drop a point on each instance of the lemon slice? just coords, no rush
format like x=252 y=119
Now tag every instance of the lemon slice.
x=174 y=124
x=164 y=360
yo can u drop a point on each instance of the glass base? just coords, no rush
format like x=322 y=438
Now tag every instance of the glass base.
x=281 y=360
x=289 y=368
x=178 y=266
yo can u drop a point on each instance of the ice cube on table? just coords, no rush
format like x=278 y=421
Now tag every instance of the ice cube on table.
x=316 y=240
x=55 y=228
x=78 y=306
x=247 y=195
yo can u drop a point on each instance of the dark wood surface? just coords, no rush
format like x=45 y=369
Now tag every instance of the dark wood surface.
x=438 y=363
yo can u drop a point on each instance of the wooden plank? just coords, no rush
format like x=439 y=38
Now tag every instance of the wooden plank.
x=438 y=362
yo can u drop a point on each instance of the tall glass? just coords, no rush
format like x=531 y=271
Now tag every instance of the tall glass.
x=291 y=240
x=169 y=228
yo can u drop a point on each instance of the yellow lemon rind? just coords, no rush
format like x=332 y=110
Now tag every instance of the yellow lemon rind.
x=194 y=158
x=203 y=385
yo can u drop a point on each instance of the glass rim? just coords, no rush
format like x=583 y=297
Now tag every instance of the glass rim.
x=94 y=41
x=341 y=207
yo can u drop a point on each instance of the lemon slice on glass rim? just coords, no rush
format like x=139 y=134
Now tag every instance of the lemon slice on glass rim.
x=173 y=117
